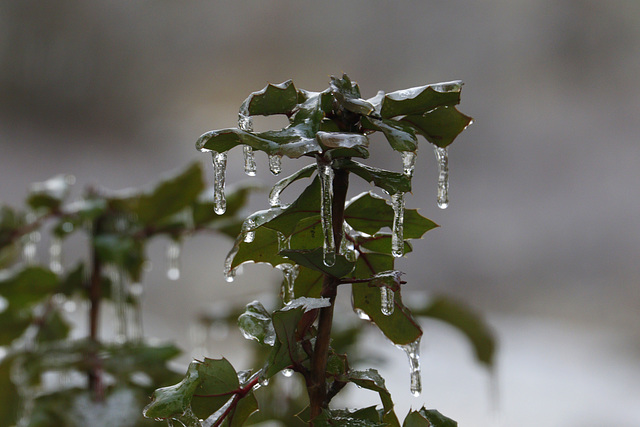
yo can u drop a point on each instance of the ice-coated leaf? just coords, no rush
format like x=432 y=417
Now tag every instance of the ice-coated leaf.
x=419 y=100
x=368 y=213
x=175 y=399
x=263 y=248
x=24 y=287
x=391 y=182
x=273 y=99
x=287 y=142
x=439 y=126
x=255 y=323
x=380 y=243
x=366 y=417
x=49 y=194
x=330 y=140
x=400 y=327
x=372 y=380
x=427 y=418
x=466 y=321
x=243 y=410
x=401 y=136
x=313 y=259
x=306 y=205
x=219 y=381
x=305 y=172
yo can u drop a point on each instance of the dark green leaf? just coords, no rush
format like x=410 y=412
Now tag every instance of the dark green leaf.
x=401 y=136
x=428 y=418
x=219 y=381
x=466 y=321
x=305 y=172
x=54 y=327
x=13 y=323
x=306 y=205
x=273 y=99
x=175 y=399
x=243 y=410
x=123 y=251
x=24 y=287
x=263 y=248
x=308 y=283
x=347 y=418
x=391 y=182
x=400 y=327
x=314 y=259
x=419 y=100
x=380 y=243
x=371 y=380
x=439 y=126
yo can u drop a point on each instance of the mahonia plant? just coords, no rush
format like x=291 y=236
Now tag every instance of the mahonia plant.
x=322 y=241
x=49 y=378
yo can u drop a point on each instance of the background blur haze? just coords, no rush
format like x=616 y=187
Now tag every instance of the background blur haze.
x=542 y=234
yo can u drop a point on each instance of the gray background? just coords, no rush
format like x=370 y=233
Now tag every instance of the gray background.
x=542 y=231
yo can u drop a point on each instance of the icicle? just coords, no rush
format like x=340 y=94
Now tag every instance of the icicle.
x=119 y=297
x=230 y=273
x=173 y=260
x=275 y=163
x=413 y=353
x=325 y=172
x=220 y=170
x=136 y=291
x=397 y=237
x=30 y=248
x=247 y=230
x=347 y=249
x=55 y=255
x=387 y=300
x=443 y=177
x=408 y=162
x=245 y=123
x=290 y=273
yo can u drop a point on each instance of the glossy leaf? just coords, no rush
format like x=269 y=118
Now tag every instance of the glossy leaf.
x=308 y=283
x=306 y=205
x=372 y=380
x=263 y=248
x=219 y=382
x=380 y=243
x=273 y=99
x=439 y=126
x=428 y=418
x=313 y=259
x=466 y=321
x=401 y=136
x=419 y=100
x=391 y=182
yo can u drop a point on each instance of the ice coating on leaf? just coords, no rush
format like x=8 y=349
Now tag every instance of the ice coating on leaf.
x=189 y=419
x=442 y=156
x=408 y=162
x=245 y=123
x=220 y=171
x=173 y=260
x=284 y=242
x=412 y=351
x=347 y=248
x=287 y=373
x=278 y=188
x=290 y=273
x=247 y=230
x=361 y=314
x=444 y=87
x=275 y=163
x=397 y=236
x=325 y=172
x=55 y=255
x=387 y=300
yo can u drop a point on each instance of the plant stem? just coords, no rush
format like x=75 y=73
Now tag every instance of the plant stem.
x=95 y=295
x=317 y=387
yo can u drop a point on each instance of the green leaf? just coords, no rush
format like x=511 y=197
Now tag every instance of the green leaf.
x=10 y=222
x=27 y=286
x=306 y=205
x=51 y=193
x=419 y=100
x=175 y=399
x=427 y=418
x=466 y=321
x=313 y=259
x=167 y=198
x=308 y=283
x=391 y=182
x=400 y=327
x=263 y=248
x=243 y=410
x=54 y=327
x=372 y=380
x=401 y=136
x=219 y=382
x=380 y=243
x=347 y=418
x=305 y=172
x=273 y=99
x=439 y=126
x=122 y=250
x=255 y=323
x=13 y=323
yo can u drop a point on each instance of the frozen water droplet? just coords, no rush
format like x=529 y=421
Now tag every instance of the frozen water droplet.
x=264 y=382
x=443 y=177
x=220 y=170
x=247 y=230
x=173 y=260
x=397 y=236
x=229 y=272
x=413 y=353
x=361 y=314
x=408 y=163
x=387 y=300
x=325 y=172
x=290 y=273
x=275 y=163
x=55 y=255
x=287 y=372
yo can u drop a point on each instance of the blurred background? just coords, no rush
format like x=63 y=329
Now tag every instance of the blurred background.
x=542 y=232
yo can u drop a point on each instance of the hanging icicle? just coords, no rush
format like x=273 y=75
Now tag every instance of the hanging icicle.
x=245 y=123
x=443 y=176
x=173 y=260
x=413 y=353
x=248 y=227
x=220 y=170
x=325 y=172
x=55 y=255
x=275 y=163
x=408 y=162
x=387 y=300
x=290 y=273
x=230 y=273
x=397 y=236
